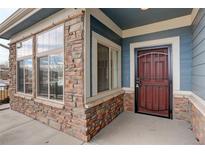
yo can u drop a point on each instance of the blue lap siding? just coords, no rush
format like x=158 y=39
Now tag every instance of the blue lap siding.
x=198 y=54
x=185 y=35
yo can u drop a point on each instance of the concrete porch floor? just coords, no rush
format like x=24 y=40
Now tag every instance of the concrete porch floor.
x=131 y=128
x=127 y=128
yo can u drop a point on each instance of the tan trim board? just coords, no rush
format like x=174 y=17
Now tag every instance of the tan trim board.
x=194 y=13
x=158 y=26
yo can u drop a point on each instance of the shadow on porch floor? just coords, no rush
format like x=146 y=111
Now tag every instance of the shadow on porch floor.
x=130 y=128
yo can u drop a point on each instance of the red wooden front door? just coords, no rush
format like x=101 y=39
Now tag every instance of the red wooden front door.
x=152 y=82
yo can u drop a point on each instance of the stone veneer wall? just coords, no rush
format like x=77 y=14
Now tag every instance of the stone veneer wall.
x=182 y=108
x=198 y=124
x=129 y=98
x=70 y=117
x=101 y=115
x=185 y=108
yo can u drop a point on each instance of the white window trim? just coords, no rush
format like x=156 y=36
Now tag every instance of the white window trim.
x=174 y=42
x=48 y=54
x=96 y=38
x=21 y=59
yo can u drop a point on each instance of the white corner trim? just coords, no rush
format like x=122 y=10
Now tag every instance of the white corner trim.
x=128 y=90
x=194 y=13
x=87 y=53
x=97 y=13
x=105 y=41
x=158 y=26
x=175 y=42
x=180 y=92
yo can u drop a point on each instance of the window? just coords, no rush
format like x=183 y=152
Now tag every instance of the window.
x=50 y=40
x=114 y=68
x=24 y=66
x=24 y=48
x=50 y=64
x=105 y=73
x=43 y=77
x=103 y=68
x=107 y=68
x=28 y=75
x=20 y=77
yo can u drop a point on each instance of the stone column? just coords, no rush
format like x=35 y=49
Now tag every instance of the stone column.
x=74 y=75
x=12 y=72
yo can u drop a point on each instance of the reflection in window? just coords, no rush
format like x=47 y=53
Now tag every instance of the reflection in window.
x=108 y=60
x=24 y=48
x=103 y=68
x=24 y=78
x=28 y=75
x=114 y=69
x=56 y=77
x=43 y=77
x=50 y=64
x=50 y=40
x=24 y=66
x=20 y=77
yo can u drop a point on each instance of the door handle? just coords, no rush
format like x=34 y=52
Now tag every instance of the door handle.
x=138 y=83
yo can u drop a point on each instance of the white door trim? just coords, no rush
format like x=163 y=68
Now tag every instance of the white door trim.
x=174 y=42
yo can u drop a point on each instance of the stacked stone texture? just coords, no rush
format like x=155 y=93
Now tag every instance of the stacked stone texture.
x=182 y=108
x=101 y=115
x=129 y=102
x=198 y=124
x=72 y=118
x=185 y=109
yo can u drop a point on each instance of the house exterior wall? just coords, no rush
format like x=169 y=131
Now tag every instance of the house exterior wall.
x=74 y=116
x=69 y=117
x=101 y=29
x=198 y=54
x=189 y=107
x=185 y=54
x=198 y=74
x=185 y=60
x=103 y=110
x=83 y=119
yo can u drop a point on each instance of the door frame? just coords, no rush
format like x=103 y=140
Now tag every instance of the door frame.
x=170 y=76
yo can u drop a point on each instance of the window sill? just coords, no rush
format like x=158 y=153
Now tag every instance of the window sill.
x=102 y=97
x=49 y=103
x=23 y=95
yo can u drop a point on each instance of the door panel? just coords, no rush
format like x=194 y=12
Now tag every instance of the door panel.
x=152 y=82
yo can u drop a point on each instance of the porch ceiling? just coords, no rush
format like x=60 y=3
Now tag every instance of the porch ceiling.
x=127 y=18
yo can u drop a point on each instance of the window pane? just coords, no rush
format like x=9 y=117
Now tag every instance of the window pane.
x=28 y=75
x=50 y=40
x=24 y=48
x=103 y=68
x=114 y=69
x=43 y=77
x=56 y=77
x=20 y=77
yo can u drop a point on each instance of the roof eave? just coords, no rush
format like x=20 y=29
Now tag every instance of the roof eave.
x=16 y=18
